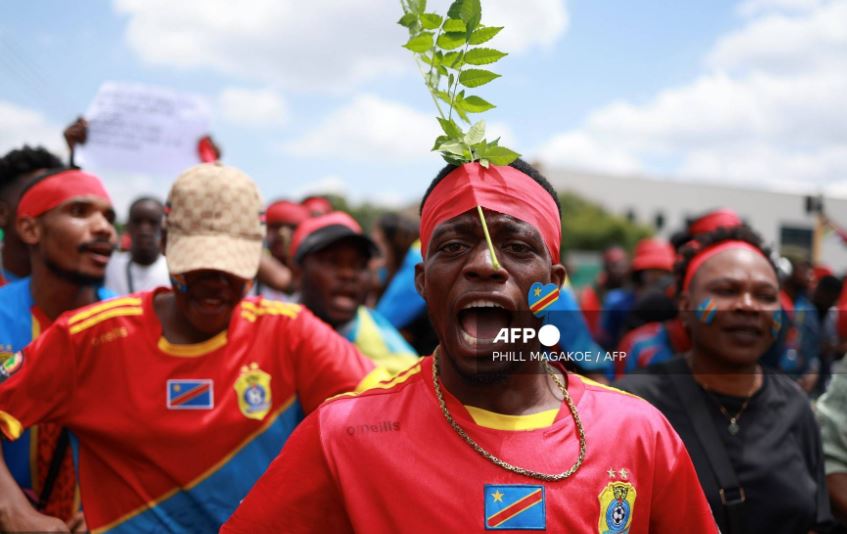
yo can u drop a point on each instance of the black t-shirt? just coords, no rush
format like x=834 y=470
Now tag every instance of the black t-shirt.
x=776 y=454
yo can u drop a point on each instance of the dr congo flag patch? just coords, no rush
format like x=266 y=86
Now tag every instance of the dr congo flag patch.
x=515 y=507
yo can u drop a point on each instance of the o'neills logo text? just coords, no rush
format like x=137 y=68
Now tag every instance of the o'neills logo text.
x=385 y=426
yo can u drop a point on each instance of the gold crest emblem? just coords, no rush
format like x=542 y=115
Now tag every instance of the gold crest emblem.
x=617 y=501
x=253 y=388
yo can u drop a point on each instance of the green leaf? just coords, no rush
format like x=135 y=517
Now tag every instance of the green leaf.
x=450 y=128
x=408 y=20
x=483 y=56
x=440 y=140
x=476 y=77
x=455 y=9
x=455 y=25
x=461 y=113
x=498 y=155
x=444 y=96
x=452 y=40
x=475 y=134
x=418 y=6
x=453 y=147
x=420 y=43
x=431 y=21
x=471 y=13
x=475 y=104
x=442 y=70
x=484 y=162
x=482 y=35
x=454 y=60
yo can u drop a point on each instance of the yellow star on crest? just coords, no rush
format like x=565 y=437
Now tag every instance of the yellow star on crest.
x=612 y=473
x=498 y=497
x=537 y=291
x=624 y=473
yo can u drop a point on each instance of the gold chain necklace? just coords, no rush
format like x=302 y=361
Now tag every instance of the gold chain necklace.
x=497 y=461
x=733 y=426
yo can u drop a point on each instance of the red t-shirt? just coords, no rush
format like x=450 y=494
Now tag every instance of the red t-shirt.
x=388 y=461
x=172 y=437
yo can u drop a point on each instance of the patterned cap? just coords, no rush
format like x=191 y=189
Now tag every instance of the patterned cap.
x=214 y=221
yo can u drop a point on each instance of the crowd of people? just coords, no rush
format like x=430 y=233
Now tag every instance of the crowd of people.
x=229 y=364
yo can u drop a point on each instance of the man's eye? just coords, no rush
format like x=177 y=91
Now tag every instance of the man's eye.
x=518 y=248
x=724 y=291
x=452 y=247
x=78 y=210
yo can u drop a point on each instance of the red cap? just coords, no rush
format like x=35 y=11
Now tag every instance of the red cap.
x=317 y=205
x=653 y=253
x=317 y=233
x=286 y=212
x=720 y=218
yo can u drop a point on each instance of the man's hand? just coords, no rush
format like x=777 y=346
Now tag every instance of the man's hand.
x=77 y=523
x=76 y=133
x=25 y=519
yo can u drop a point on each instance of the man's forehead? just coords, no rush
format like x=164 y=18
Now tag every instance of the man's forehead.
x=88 y=200
x=469 y=222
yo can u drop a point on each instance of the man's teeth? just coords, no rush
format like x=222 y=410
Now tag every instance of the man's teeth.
x=481 y=304
x=472 y=340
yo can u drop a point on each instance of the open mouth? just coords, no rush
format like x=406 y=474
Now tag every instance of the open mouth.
x=345 y=299
x=482 y=320
x=100 y=253
x=744 y=334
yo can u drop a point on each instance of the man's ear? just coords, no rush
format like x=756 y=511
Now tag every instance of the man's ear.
x=420 y=283
x=29 y=230
x=684 y=308
x=558 y=274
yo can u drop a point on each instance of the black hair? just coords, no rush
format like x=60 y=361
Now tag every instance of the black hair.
x=139 y=200
x=518 y=164
x=830 y=284
x=23 y=161
x=738 y=233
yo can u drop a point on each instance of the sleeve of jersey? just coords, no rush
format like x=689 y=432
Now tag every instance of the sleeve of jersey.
x=325 y=364
x=678 y=504
x=297 y=494
x=38 y=384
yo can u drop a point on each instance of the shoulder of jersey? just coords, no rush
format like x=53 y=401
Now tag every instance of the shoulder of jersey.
x=597 y=387
x=253 y=308
x=98 y=313
x=397 y=383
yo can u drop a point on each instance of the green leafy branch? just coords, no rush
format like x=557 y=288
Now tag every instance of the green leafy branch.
x=448 y=55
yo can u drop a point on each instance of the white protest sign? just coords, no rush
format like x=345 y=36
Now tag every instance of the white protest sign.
x=142 y=128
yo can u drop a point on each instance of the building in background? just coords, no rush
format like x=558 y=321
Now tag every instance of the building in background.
x=782 y=218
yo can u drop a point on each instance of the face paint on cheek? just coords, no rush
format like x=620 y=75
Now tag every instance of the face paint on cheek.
x=776 y=323
x=706 y=311
x=178 y=282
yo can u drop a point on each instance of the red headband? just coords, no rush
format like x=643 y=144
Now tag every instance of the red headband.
x=710 y=252
x=714 y=220
x=286 y=212
x=58 y=188
x=501 y=189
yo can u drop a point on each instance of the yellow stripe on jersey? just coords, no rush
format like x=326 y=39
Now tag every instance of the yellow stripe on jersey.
x=193 y=350
x=10 y=426
x=501 y=421
x=209 y=472
x=107 y=305
x=589 y=382
x=108 y=314
x=380 y=378
x=265 y=306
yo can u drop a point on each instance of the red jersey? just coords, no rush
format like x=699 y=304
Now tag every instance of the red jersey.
x=171 y=437
x=388 y=461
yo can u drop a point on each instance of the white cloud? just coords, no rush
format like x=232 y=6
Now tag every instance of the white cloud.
x=370 y=128
x=323 y=44
x=373 y=129
x=22 y=125
x=768 y=110
x=248 y=107
x=750 y=8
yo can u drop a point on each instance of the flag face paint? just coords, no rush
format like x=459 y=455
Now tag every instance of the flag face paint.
x=706 y=311
x=776 y=323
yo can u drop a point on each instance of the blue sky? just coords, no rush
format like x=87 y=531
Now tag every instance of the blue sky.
x=319 y=95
